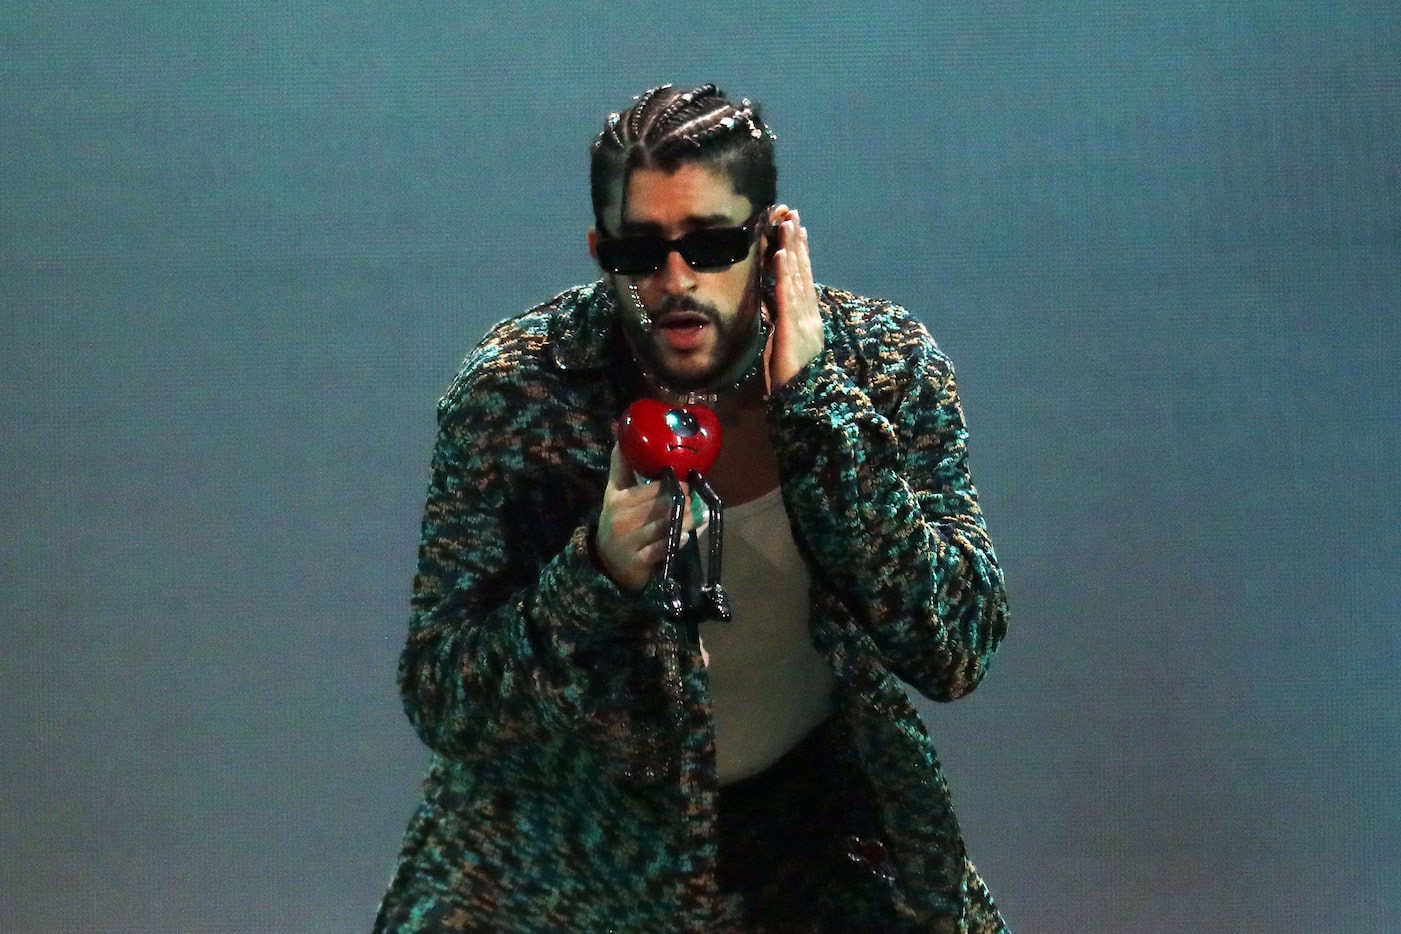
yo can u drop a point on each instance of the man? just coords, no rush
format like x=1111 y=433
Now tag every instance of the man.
x=599 y=766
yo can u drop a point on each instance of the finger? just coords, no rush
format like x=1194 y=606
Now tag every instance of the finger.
x=801 y=254
x=644 y=495
x=694 y=513
x=662 y=489
x=797 y=268
x=777 y=217
x=653 y=554
x=793 y=242
x=645 y=534
x=651 y=541
x=647 y=501
x=794 y=239
x=787 y=275
x=619 y=474
x=655 y=524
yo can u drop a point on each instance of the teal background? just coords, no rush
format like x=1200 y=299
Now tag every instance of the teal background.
x=243 y=247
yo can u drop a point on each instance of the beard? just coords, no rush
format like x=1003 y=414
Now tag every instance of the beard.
x=732 y=346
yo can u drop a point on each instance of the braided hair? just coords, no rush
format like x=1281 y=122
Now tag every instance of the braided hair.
x=666 y=128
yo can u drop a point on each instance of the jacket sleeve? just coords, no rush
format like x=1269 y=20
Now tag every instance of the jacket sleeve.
x=873 y=453
x=502 y=638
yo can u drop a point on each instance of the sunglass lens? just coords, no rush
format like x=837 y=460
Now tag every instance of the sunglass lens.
x=715 y=248
x=631 y=256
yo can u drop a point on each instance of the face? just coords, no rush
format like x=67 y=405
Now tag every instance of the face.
x=692 y=327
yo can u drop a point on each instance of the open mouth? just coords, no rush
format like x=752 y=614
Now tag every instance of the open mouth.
x=681 y=320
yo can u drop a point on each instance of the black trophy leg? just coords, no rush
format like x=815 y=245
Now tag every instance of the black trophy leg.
x=669 y=601
x=716 y=604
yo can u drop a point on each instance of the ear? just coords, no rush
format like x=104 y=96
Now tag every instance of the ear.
x=593 y=242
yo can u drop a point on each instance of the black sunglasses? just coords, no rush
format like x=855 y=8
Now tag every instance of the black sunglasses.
x=709 y=249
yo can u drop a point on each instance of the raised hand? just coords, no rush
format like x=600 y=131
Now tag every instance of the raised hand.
x=797 y=335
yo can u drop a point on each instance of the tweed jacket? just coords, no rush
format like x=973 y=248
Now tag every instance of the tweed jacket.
x=572 y=784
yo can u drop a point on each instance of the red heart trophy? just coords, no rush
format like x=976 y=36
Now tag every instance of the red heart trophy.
x=666 y=442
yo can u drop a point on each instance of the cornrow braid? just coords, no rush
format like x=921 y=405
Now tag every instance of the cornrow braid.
x=669 y=112
x=640 y=111
x=665 y=128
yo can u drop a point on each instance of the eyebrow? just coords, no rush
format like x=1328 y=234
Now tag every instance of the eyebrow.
x=691 y=222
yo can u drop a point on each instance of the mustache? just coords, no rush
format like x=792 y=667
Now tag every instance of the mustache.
x=684 y=303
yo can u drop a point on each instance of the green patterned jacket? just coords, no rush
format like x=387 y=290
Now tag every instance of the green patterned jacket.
x=572 y=783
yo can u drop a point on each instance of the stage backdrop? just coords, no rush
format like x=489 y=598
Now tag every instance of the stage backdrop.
x=243 y=247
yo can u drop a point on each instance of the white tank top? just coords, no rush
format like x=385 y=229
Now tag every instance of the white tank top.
x=768 y=684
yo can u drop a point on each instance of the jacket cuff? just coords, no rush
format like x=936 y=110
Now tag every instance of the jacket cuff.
x=814 y=391
x=583 y=602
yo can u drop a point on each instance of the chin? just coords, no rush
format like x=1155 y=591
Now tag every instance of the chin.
x=686 y=371
x=687 y=379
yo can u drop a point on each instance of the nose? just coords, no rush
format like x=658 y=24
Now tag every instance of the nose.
x=676 y=274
